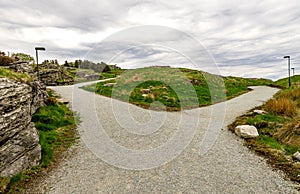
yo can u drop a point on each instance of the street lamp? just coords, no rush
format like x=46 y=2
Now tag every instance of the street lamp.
x=293 y=71
x=289 y=68
x=37 y=59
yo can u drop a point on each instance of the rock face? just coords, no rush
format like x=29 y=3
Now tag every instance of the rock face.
x=19 y=139
x=246 y=131
x=22 y=67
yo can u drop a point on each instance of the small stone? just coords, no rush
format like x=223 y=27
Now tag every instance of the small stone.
x=260 y=112
x=109 y=84
x=297 y=155
x=246 y=131
x=145 y=91
x=63 y=101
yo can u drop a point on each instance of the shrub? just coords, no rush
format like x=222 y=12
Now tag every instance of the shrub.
x=281 y=106
x=5 y=60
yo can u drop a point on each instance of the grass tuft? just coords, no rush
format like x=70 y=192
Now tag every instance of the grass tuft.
x=282 y=106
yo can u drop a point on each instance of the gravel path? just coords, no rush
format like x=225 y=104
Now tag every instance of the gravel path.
x=228 y=167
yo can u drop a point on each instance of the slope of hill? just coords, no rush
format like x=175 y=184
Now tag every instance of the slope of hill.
x=284 y=82
x=174 y=88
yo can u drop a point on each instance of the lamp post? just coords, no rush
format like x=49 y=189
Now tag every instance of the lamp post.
x=37 y=59
x=293 y=70
x=289 y=68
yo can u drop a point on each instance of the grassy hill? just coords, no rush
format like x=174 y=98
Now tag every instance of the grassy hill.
x=175 y=88
x=284 y=83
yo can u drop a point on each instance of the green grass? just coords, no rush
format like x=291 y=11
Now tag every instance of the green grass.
x=112 y=73
x=259 y=119
x=48 y=118
x=23 y=77
x=273 y=143
x=175 y=88
x=291 y=149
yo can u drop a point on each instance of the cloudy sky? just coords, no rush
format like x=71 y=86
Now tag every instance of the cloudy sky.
x=233 y=37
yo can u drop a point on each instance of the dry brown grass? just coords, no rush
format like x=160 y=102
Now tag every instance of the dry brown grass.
x=292 y=94
x=282 y=106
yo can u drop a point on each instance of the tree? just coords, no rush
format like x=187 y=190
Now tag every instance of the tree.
x=66 y=64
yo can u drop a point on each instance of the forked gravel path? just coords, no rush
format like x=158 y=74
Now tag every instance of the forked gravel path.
x=228 y=167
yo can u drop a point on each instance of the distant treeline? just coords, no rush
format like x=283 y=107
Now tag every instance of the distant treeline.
x=86 y=64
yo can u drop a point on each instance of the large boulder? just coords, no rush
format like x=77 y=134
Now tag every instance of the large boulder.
x=19 y=139
x=246 y=131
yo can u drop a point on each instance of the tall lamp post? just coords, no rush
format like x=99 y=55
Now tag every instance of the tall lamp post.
x=289 y=68
x=37 y=59
x=293 y=70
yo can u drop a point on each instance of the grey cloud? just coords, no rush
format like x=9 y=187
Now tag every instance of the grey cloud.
x=242 y=37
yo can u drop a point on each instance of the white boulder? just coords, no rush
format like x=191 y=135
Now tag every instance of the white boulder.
x=297 y=155
x=260 y=112
x=246 y=131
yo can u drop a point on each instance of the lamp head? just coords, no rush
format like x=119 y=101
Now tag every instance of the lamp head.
x=40 y=48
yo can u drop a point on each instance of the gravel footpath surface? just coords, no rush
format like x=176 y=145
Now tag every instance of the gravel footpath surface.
x=228 y=167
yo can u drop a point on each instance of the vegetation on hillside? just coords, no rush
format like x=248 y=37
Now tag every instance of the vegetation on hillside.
x=279 y=131
x=284 y=83
x=175 y=88
x=5 y=60
x=7 y=73
x=23 y=57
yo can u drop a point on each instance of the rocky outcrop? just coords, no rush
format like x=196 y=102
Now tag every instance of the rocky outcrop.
x=19 y=139
x=53 y=74
x=22 y=67
x=246 y=131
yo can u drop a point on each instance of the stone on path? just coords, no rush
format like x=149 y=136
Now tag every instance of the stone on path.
x=246 y=131
x=260 y=112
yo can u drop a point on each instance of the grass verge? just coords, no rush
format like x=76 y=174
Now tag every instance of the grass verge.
x=279 y=132
x=56 y=125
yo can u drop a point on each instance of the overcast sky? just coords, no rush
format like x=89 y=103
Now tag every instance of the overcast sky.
x=243 y=38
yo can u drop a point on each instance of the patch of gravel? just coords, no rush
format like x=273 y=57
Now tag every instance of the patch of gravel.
x=228 y=167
